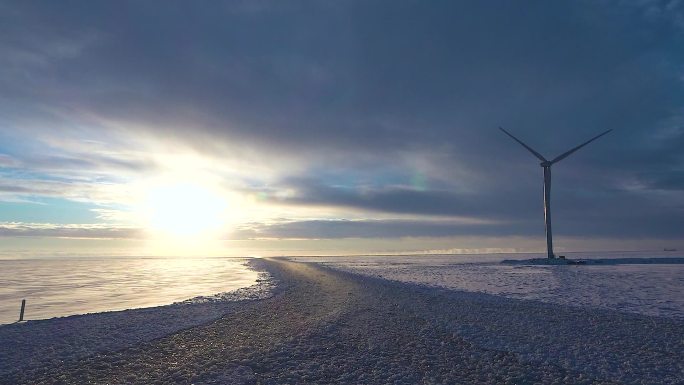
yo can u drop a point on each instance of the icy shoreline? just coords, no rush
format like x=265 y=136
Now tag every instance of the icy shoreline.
x=60 y=287
x=36 y=343
x=326 y=326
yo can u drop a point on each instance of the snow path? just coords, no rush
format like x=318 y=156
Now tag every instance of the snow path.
x=331 y=327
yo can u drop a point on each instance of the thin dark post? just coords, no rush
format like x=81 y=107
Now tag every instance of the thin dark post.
x=21 y=313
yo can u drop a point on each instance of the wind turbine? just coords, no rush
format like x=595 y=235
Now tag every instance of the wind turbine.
x=546 y=165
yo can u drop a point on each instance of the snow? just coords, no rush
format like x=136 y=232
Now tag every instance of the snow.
x=595 y=261
x=638 y=284
x=598 y=343
x=334 y=321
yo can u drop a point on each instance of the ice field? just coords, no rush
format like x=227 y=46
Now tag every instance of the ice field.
x=628 y=282
x=58 y=287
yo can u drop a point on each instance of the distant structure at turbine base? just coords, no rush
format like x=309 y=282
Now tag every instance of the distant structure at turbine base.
x=546 y=165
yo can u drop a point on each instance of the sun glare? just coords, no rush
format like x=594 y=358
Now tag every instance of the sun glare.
x=184 y=211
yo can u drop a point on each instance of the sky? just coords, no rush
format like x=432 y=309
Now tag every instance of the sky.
x=334 y=127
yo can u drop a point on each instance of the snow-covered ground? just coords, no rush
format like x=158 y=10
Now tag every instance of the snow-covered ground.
x=629 y=282
x=625 y=321
x=327 y=326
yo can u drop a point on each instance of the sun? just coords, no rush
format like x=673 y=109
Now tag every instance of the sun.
x=185 y=211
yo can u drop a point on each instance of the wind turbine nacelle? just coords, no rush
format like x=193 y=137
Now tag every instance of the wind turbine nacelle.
x=546 y=163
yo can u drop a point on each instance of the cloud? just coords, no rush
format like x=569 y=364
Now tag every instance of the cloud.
x=398 y=199
x=94 y=231
x=84 y=191
x=393 y=229
x=327 y=229
x=375 y=107
x=578 y=210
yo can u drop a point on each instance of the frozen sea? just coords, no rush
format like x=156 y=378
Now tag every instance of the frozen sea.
x=633 y=282
x=57 y=287
x=446 y=305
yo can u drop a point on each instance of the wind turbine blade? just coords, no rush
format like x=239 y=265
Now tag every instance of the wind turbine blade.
x=567 y=153
x=535 y=153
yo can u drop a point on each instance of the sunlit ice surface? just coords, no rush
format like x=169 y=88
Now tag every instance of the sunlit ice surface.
x=59 y=287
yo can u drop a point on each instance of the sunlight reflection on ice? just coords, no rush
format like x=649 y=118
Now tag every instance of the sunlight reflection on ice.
x=61 y=287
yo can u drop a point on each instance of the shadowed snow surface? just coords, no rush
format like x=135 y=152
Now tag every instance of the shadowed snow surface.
x=329 y=327
x=650 y=286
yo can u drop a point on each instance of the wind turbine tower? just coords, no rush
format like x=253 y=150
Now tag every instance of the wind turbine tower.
x=546 y=165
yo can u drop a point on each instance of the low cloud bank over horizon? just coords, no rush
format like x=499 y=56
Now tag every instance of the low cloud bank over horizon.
x=345 y=119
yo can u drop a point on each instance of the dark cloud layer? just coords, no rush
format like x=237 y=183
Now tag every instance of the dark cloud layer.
x=582 y=212
x=359 y=90
x=326 y=229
